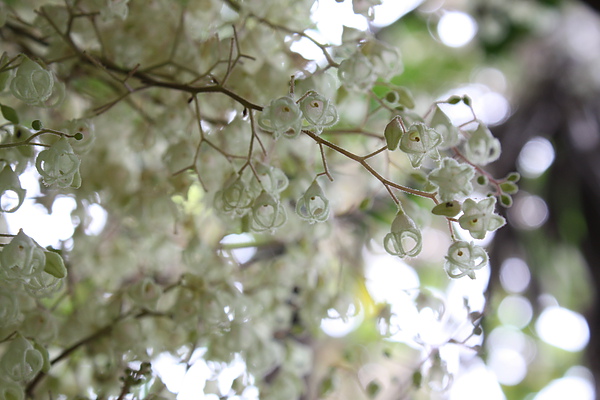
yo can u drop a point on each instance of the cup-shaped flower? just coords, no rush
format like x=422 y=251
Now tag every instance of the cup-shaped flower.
x=32 y=83
x=419 y=141
x=267 y=213
x=452 y=179
x=385 y=58
x=357 y=72
x=272 y=179
x=21 y=361
x=145 y=293
x=442 y=124
x=405 y=238
x=318 y=112
x=234 y=198
x=313 y=206
x=10 y=390
x=43 y=285
x=9 y=182
x=59 y=165
x=482 y=147
x=465 y=258
x=479 y=218
x=9 y=308
x=282 y=117
x=22 y=258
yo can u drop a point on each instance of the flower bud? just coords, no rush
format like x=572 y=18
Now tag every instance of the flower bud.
x=9 y=182
x=404 y=238
x=447 y=209
x=393 y=132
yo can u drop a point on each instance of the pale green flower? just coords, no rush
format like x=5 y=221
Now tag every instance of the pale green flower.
x=479 y=218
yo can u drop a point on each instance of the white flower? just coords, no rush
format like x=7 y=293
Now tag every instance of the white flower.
x=479 y=217
x=59 y=165
x=464 y=259
x=405 y=238
x=9 y=182
x=282 y=117
x=318 y=112
x=482 y=147
x=452 y=179
x=419 y=141
x=22 y=258
x=313 y=206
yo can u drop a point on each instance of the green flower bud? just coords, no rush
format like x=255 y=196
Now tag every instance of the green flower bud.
x=9 y=182
x=405 y=238
x=55 y=265
x=313 y=206
x=447 y=209
x=393 y=133
x=509 y=187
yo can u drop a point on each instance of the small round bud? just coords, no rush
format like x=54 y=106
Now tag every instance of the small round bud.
x=37 y=124
x=78 y=136
x=482 y=180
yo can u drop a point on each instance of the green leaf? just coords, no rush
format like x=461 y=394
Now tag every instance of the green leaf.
x=55 y=265
x=9 y=114
x=373 y=388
